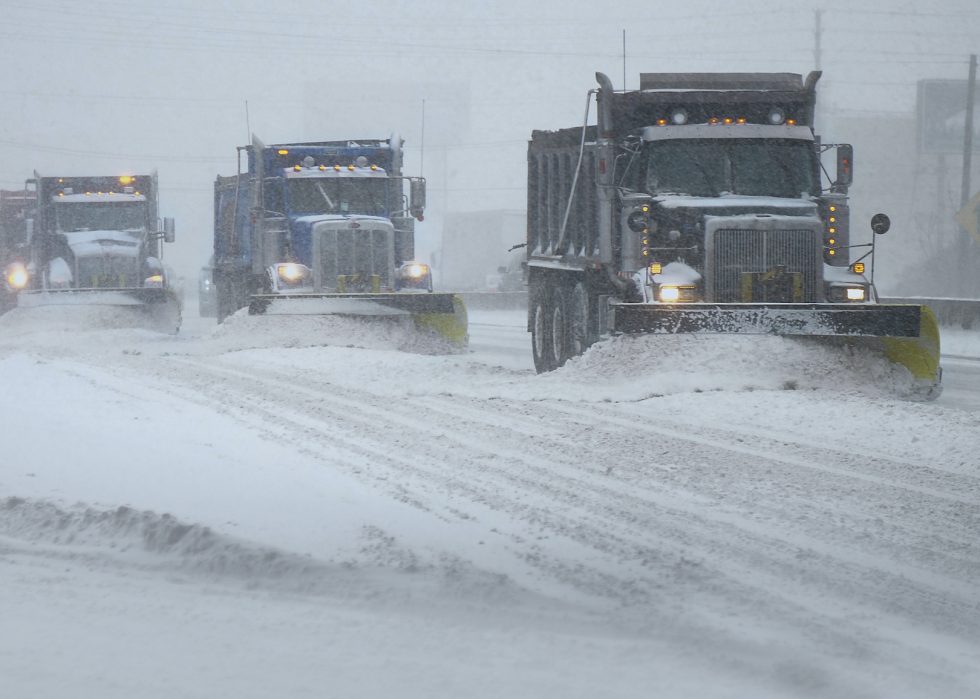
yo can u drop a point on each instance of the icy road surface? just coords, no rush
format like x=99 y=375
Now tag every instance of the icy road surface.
x=251 y=513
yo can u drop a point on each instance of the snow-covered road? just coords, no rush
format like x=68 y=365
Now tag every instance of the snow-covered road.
x=664 y=516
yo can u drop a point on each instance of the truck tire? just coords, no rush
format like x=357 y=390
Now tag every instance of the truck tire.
x=560 y=341
x=541 y=340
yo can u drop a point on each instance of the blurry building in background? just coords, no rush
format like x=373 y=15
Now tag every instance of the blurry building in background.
x=475 y=246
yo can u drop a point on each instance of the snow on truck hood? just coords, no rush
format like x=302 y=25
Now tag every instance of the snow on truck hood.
x=364 y=220
x=89 y=243
x=737 y=201
x=97 y=197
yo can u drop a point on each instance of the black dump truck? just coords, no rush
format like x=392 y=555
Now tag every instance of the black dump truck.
x=698 y=203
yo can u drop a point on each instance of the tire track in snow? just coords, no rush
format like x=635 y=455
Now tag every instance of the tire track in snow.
x=344 y=410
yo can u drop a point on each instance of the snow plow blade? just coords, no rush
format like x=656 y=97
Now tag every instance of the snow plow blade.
x=153 y=309
x=905 y=334
x=443 y=313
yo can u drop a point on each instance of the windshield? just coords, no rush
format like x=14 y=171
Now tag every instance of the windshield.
x=712 y=167
x=338 y=195
x=101 y=216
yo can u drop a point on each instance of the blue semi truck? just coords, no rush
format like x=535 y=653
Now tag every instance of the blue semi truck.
x=326 y=228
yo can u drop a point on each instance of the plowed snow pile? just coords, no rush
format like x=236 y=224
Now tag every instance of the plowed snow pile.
x=622 y=369
x=633 y=368
x=60 y=325
x=242 y=331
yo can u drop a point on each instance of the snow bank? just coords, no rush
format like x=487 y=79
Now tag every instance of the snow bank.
x=622 y=369
x=189 y=547
x=242 y=331
x=70 y=325
x=627 y=368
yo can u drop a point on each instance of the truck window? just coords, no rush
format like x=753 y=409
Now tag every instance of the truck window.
x=338 y=195
x=100 y=216
x=274 y=197
x=750 y=167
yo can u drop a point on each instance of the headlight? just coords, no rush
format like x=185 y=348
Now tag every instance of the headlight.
x=847 y=294
x=155 y=281
x=669 y=293
x=413 y=270
x=289 y=272
x=17 y=277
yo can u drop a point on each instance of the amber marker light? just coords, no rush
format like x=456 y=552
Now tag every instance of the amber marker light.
x=859 y=267
x=126 y=179
x=284 y=152
x=656 y=268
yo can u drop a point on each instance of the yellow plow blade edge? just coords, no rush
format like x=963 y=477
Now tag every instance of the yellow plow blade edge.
x=452 y=326
x=920 y=355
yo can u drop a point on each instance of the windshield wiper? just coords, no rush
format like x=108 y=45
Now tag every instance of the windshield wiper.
x=329 y=202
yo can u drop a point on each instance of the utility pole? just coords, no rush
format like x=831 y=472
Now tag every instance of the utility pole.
x=624 y=60
x=968 y=255
x=817 y=32
x=971 y=91
x=816 y=39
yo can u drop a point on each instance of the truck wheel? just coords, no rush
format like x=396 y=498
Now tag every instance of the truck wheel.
x=541 y=342
x=559 y=328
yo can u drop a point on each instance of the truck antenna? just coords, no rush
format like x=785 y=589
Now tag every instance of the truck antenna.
x=624 y=60
x=248 y=126
x=422 y=153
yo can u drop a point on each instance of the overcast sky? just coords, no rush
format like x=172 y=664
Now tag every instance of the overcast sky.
x=126 y=87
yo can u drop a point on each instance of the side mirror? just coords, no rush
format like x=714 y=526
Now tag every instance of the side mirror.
x=880 y=224
x=416 y=188
x=29 y=230
x=845 y=165
x=168 y=230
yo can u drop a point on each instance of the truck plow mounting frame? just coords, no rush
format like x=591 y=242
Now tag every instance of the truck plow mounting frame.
x=819 y=320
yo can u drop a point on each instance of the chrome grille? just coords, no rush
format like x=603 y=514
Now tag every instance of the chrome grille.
x=737 y=251
x=349 y=251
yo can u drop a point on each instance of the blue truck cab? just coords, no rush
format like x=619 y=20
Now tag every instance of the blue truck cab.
x=316 y=220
